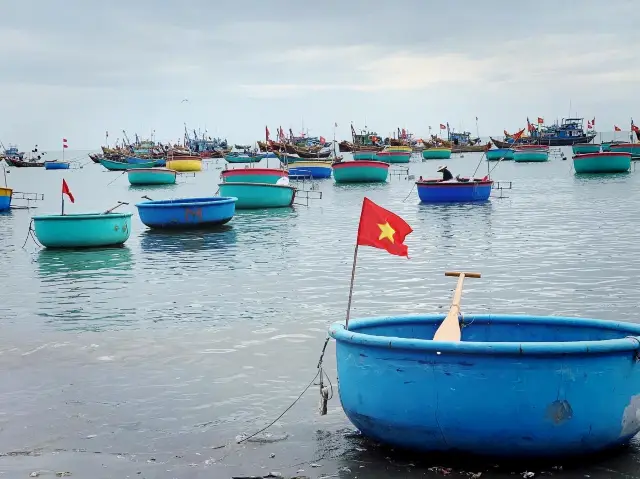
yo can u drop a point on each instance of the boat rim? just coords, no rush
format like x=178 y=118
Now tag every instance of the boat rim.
x=339 y=332
x=257 y=171
x=84 y=216
x=245 y=183
x=180 y=202
x=159 y=169
x=600 y=154
x=380 y=164
x=454 y=183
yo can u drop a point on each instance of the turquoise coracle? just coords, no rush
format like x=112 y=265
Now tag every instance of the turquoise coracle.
x=85 y=230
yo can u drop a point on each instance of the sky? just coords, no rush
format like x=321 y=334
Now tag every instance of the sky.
x=75 y=68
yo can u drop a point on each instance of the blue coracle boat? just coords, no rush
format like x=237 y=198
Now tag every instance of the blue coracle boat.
x=56 y=165
x=515 y=386
x=183 y=213
x=438 y=191
x=84 y=230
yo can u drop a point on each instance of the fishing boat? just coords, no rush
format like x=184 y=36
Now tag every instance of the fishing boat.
x=288 y=158
x=5 y=198
x=112 y=165
x=633 y=148
x=315 y=170
x=462 y=190
x=514 y=386
x=360 y=171
x=151 y=176
x=581 y=148
x=607 y=162
x=12 y=153
x=184 y=163
x=19 y=163
x=436 y=153
x=56 y=165
x=496 y=154
x=569 y=132
x=259 y=195
x=530 y=153
x=184 y=213
x=395 y=154
x=365 y=154
x=308 y=153
x=242 y=158
x=253 y=175
x=84 y=230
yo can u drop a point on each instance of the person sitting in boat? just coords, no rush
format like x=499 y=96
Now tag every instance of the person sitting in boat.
x=446 y=174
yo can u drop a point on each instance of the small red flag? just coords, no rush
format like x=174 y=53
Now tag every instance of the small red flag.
x=64 y=140
x=266 y=131
x=442 y=127
x=593 y=122
x=634 y=128
x=540 y=121
x=322 y=140
x=67 y=191
x=382 y=229
x=65 y=146
x=518 y=135
x=616 y=128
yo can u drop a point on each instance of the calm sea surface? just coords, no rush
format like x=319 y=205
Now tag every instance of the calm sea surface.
x=142 y=361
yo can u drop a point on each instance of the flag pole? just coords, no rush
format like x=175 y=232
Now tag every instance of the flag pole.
x=353 y=276
x=62 y=198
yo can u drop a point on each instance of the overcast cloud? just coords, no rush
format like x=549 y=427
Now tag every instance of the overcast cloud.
x=77 y=68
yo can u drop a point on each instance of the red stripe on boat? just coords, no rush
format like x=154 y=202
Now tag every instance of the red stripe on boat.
x=253 y=171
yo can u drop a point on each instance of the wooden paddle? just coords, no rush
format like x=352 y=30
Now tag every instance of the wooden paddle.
x=449 y=329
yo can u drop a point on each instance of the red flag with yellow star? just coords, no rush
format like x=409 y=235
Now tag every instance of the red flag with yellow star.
x=382 y=229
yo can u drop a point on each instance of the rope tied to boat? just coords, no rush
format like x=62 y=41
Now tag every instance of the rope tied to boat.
x=30 y=234
x=326 y=394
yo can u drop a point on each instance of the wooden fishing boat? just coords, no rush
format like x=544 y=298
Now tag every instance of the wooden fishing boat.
x=95 y=157
x=345 y=146
x=23 y=163
x=436 y=153
x=185 y=213
x=463 y=190
x=151 y=176
x=84 y=230
x=310 y=153
x=607 y=162
x=360 y=171
x=581 y=148
x=315 y=170
x=496 y=154
x=469 y=148
x=259 y=195
x=490 y=394
x=509 y=144
x=123 y=166
x=633 y=148
x=56 y=165
x=530 y=153
x=5 y=198
x=184 y=163
x=253 y=175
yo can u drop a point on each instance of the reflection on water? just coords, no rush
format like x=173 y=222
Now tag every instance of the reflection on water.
x=76 y=286
x=176 y=241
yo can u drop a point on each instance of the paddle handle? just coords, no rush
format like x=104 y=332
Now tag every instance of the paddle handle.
x=458 y=273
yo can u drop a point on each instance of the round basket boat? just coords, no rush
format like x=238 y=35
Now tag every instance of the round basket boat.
x=514 y=386
x=185 y=213
x=82 y=230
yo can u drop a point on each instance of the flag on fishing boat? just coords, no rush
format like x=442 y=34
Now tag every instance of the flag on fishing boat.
x=382 y=229
x=322 y=140
x=518 y=135
x=64 y=143
x=616 y=128
x=634 y=127
x=67 y=191
x=442 y=127
x=540 y=121
x=335 y=124
x=266 y=132
x=593 y=122
x=589 y=125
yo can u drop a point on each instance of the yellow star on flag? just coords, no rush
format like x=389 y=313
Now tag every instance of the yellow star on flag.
x=386 y=231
